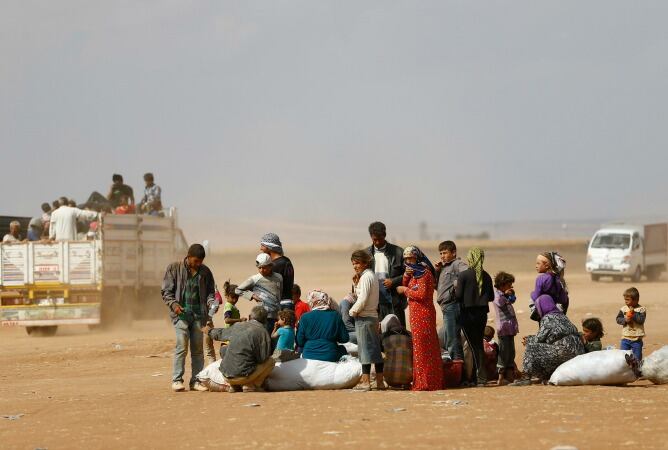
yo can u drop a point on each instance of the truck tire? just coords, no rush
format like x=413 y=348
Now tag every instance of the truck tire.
x=636 y=275
x=595 y=277
x=42 y=331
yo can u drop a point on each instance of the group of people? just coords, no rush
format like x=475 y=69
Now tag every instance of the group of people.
x=64 y=220
x=386 y=281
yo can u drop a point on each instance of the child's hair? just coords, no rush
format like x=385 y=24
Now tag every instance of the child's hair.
x=361 y=256
x=489 y=332
x=633 y=293
x=228 y=290
x=287 y=316
x=595 y=325
x=296 y=290
x=503 y=278
x=447 y=245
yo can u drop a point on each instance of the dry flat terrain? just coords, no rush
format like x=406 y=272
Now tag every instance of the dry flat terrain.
x=82 y=389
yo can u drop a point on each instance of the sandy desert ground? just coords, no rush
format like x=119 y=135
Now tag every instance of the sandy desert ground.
x=111 y=389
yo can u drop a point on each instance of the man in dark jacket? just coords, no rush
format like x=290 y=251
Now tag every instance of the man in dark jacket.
x=247 y=361
x=188 y=290
x=388 y=263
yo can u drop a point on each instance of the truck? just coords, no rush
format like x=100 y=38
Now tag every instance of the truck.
x=115 y=274
x=628 y=251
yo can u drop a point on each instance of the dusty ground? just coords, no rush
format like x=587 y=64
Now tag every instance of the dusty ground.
x=83 y=389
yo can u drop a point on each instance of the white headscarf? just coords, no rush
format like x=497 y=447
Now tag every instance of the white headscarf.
x=319 y=300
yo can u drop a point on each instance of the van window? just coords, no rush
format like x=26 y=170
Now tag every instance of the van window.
x=611 y=240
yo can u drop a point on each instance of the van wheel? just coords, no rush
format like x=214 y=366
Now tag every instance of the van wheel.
x=595 y=277
x=636 y=275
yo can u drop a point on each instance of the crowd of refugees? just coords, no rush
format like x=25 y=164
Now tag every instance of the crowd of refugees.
x=386 y=281
x=64 y=220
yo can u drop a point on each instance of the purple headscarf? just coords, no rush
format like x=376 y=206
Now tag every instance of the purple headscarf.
x=545 y=305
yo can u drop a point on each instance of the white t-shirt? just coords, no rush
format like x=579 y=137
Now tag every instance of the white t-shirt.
x=64 y=222
x=382 y=267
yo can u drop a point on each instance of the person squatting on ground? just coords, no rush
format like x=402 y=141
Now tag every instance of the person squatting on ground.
x=188 y=290
x=506 y=325
x=398 y=349
x=247 y=361
x=447 y=271
x=556 y=342
x=365 y=313
x=388 y=264
x=474 y=291
x=632 y=319
x=592 y=333
x=264 y=287
x=418 y=287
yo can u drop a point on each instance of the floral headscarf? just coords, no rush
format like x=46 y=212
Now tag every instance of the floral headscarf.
x=422 y=263
x=319 y=300
x=475 y=258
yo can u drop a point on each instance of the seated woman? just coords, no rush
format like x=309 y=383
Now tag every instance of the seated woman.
x=398 y=345
x=550 y=281
x=321 y=330
x=557 y=341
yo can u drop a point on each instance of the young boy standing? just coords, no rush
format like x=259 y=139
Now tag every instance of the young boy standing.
x=447 y=271
x=632 y=318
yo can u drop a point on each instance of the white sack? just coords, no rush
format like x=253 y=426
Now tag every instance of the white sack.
x=601 y=367
x=655 y=366
x=212 y=373
x=311 y=374
x=351 y=348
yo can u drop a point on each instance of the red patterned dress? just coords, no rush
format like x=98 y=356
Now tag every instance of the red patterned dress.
x=427 y=363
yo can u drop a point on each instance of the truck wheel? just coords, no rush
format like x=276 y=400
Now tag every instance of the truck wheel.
x=636 y=275
x=595 y=277
x=30 y=330
x=49 y=331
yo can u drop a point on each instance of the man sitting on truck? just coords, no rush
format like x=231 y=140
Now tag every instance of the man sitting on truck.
x=189 y=290
x=63 y=226
x=151 y=202
x=14 y=234
x=117 y=190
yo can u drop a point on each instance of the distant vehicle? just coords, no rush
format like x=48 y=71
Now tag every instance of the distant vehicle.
x=117 y=274
x=628 y=251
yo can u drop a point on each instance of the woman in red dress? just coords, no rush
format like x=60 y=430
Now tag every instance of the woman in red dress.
x=418 y=286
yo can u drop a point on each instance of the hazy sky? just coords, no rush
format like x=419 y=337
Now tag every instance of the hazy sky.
x=278 y=114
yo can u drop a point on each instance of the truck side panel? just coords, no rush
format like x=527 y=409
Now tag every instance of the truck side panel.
x=656 y=244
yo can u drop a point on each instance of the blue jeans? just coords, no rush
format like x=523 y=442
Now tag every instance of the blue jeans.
x=188 y=332
x=451 y=313
x=634 y=346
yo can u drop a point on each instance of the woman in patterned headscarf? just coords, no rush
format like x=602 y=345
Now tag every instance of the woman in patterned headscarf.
x=321 y=330
x=474 y=290
x=418 y=286
x=556 y=342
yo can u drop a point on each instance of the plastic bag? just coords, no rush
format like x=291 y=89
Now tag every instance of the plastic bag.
x=602 y=367
x=655 y=366
x=312 y=374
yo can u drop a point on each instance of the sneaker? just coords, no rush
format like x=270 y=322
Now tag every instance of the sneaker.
x=178 y=386
x=199 y=387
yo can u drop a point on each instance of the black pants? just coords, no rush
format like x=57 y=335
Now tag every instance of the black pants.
x=473 y=321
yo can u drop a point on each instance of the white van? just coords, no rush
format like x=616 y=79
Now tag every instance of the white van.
x=628 y=251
